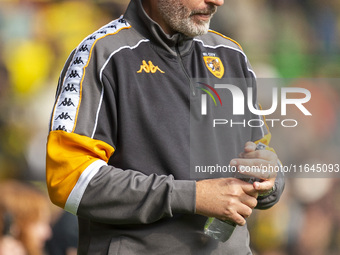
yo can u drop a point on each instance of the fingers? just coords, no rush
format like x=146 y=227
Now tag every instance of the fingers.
x=240 y=216
x=249 y=147
x=239 y=220
x=226 y=199
x=258 y=154
x=256 y=163
x=249 y=190
x=251 y=150
x=241 y=202
x=249 y=201
x=239 y=210
x=263 y=172
x=257 y=168
x=244 y=192
x=264 y=186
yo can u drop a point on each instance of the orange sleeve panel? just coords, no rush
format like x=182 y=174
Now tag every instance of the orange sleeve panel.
x=68 y=155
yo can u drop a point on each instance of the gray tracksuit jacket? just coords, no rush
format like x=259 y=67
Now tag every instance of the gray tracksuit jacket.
x=118 y=151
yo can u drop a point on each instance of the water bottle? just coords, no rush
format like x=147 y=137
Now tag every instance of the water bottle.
x=222 y=230
x=218 y=229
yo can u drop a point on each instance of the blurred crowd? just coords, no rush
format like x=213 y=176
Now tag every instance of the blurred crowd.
x=282 y=38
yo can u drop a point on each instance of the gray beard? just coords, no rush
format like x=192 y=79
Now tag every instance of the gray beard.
x=179 y=18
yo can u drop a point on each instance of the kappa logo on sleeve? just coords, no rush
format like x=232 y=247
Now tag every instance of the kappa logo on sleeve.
x=149 y=68
x=214 y=65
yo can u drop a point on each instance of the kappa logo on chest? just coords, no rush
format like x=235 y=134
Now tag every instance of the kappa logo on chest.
x=149 y=68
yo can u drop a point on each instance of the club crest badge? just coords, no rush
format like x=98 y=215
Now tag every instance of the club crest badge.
x=215 y=66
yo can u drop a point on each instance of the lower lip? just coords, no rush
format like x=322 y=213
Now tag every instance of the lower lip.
x=203 y=16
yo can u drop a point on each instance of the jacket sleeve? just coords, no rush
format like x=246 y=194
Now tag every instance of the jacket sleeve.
x=80 y=181
x=78 y=176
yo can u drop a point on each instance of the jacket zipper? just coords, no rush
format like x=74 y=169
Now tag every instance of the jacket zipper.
x=180 y=60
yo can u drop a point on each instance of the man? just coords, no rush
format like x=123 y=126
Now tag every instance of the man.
x=118 y=149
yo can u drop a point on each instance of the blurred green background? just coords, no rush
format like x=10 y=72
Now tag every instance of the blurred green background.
x=282 y=38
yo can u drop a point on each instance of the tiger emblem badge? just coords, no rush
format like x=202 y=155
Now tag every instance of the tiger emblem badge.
x=215 y=66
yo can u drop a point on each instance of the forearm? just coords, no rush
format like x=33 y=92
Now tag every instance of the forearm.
x=115 y=196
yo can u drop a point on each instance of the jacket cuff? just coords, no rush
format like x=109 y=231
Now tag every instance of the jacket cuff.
x=183 y=197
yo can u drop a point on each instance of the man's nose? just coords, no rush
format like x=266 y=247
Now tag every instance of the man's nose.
x=215 y=2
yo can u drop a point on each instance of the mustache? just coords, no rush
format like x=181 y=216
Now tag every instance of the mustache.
x=210 y=10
